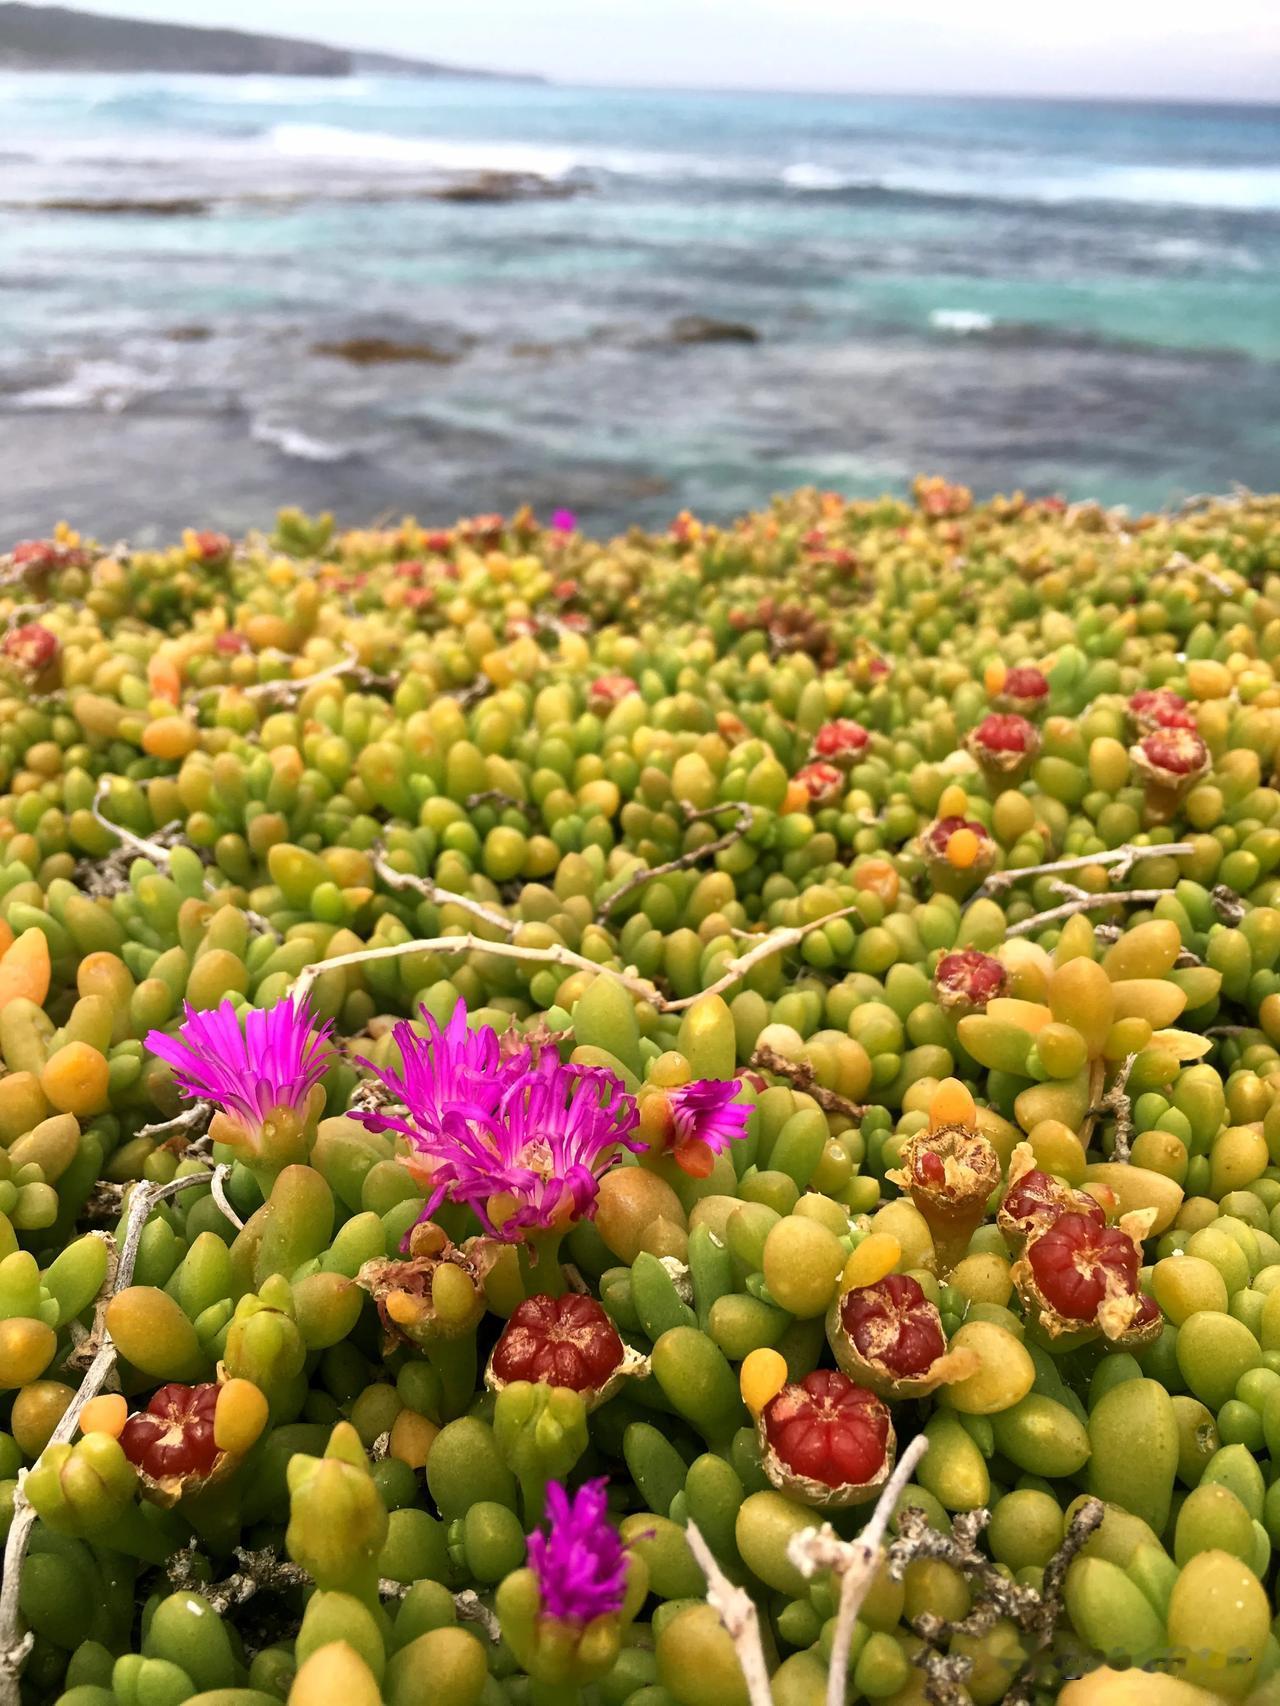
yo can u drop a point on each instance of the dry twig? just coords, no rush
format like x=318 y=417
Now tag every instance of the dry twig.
x=737 y=1612
x=685 y=861
x=15 y=1645
x=803 y=1077
x=776 y=942
x=441 y=897
x=1121 y=861
x=1117 y=1103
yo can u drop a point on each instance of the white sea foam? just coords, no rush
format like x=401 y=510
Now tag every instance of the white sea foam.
x=961 y=320
x=807 y=175
x=292 y=441
x=92 y=384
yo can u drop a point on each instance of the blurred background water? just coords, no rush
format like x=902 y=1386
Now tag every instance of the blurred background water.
x=673 y=299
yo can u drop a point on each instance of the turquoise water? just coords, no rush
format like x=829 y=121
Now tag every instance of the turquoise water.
x=1060 y=296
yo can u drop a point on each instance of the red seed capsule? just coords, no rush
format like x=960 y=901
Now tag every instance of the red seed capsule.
x=1035 y=1200
x=1160 y=708
x=38 y=556
x=888 y=1337
x=823 y=783
x=1025 y=689
x=840 y=742
x=1003 y=745
x=33 y=648
x=1081 y=1277
x=826 y=1440
x=966 y=980
x=1170 y=762
x=1076 y=1263
x=607 y=691
x=559 y=1341
x=936 y=837
x=210 y=547
x=1175 y=751
x=172 y=1445
x=950 y=1172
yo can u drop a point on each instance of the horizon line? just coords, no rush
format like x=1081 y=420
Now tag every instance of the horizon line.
x=479 y=74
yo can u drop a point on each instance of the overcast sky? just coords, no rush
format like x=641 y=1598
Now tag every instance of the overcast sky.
x=1229 y=49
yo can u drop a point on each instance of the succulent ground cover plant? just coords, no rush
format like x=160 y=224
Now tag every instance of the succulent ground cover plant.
x=683 y=1121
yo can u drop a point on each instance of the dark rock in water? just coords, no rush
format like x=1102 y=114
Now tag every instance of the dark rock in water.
x=376 y=351
x=167 y=207
x=705 y=329
x=189 y=334
x=503 y=186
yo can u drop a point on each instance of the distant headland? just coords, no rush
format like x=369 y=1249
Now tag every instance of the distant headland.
x=58 y=38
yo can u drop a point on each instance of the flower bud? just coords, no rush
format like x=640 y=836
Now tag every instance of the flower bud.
x=82 y=1489
x=337 y=1520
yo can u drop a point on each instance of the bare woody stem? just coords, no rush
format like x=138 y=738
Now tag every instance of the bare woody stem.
x=289 y=687
x=1116 y=1102
x=145 y=849
x=14 y=1645
x=802 y=1075
x=685 y=861
x=442 y=897
x=776 y=942
x=737 y=1612
x=1084 y=903
x=1121 y=859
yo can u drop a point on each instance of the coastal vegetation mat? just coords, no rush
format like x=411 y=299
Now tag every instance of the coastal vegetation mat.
x=689 y=1120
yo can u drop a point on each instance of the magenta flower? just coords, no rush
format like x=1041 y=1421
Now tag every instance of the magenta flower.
x=706 y=1120
x=541 y=1152
x=564 y=521
x=452 y=1071
x=273 y=1063
x=580 y=1562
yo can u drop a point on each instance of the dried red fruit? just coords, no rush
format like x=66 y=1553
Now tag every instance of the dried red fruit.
x=935 y=838
x=1076 y=1260
x=826 y=1440
x=1081 y=1276
x=438 y=542
x=937 y=498
x=606 y=691
x=1004 y=745
x=560 y=1341
x=1176 y=751
x=888 y=1337
x=950 y=1172
x=1005 y=731
x=966 y=980
x=408 y=570
x=40 y=555
x=823 y=783
x=1170 y=761
x=1160 y=708
x=1025 y=689
x=841 y=741
x=230 y=642
x=210 y=547
x=416 y=1305
x=33 y=647
x=483 y=529
x=1034 y=1201
x=171 y=1442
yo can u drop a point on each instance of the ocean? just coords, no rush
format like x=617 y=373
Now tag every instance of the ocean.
x=681 y=299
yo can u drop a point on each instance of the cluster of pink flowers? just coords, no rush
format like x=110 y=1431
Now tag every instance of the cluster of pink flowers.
x=521 y=1139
